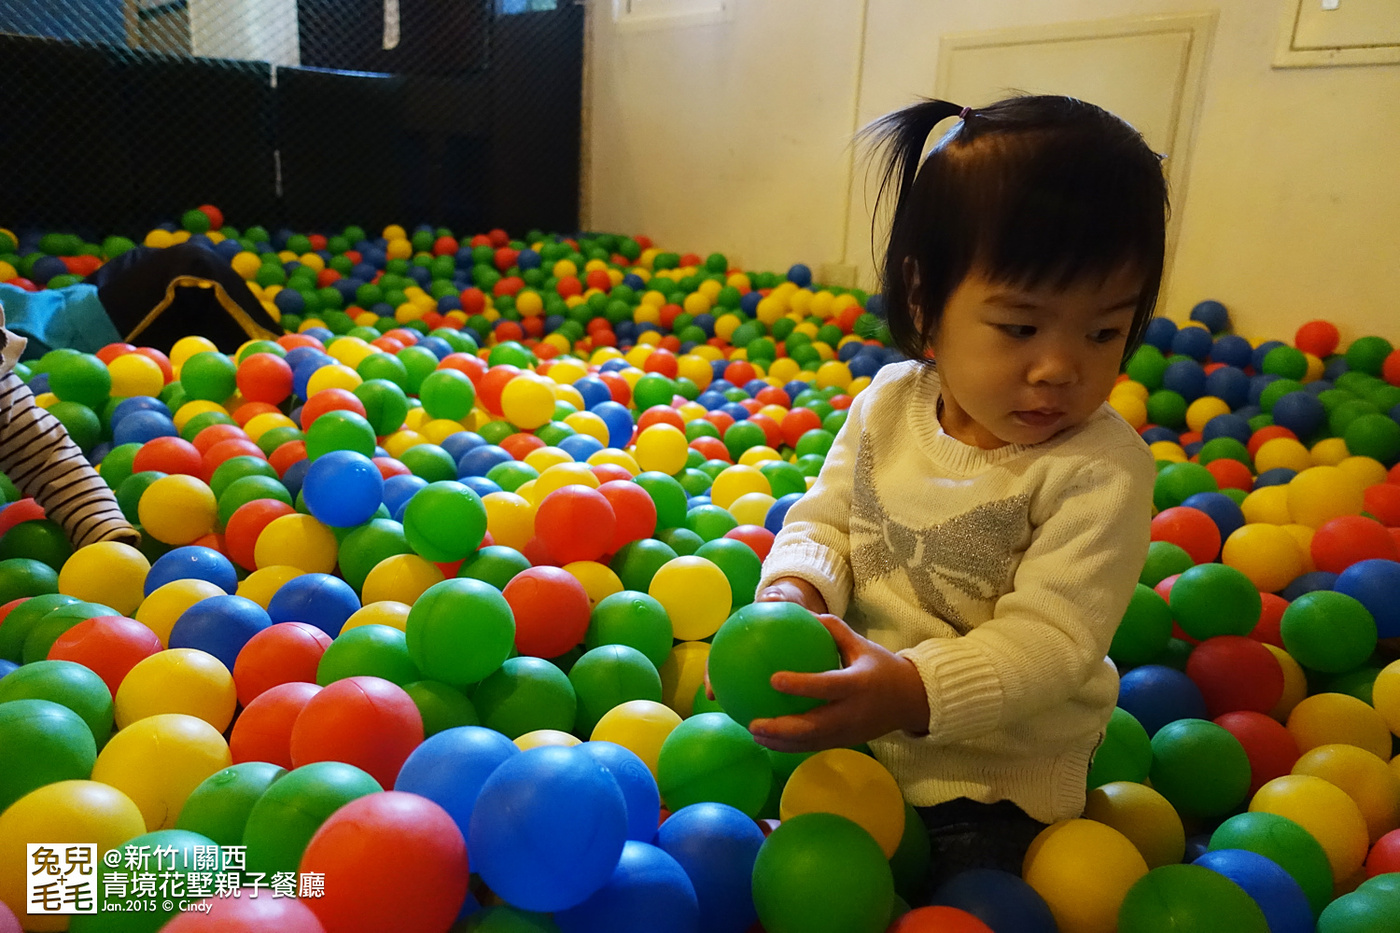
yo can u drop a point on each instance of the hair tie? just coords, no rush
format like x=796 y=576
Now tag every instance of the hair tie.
x=964 y=113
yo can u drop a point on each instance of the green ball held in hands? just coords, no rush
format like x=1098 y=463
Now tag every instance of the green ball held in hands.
x=755 y=643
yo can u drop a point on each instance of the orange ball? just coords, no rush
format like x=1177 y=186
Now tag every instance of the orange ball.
x=1320 y=338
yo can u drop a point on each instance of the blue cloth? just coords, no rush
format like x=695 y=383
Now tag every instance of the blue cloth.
x=55 y=318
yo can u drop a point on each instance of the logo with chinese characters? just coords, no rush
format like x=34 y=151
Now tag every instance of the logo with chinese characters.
x=61 y=877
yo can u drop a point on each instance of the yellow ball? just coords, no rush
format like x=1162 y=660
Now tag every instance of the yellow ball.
x=833 y=373
x=751 y=508
x=333 y=376
x=262 y=584
x=1282 y=452
x=158 y=761
x=695 y=594
x=1295 y=683
x=400 y=441
x=849 y=784
x=246 y=264
x=640 y=726
x=1338 y=718
x=1130 y=408
x=585 y=422
x=1385 y=696
x=1268 y=504
x=401 y=578
x=1321 y=493
x=135 y=374
x=695 y=368
x=561 y=475
x=109 y=573
x=186 y=347
x=1168 y=450
x=785 y=369
x=66 y=811
x=1329 y=451
x=682 y=673
x=597 y=580
x=385 y=612
x=612 y=455
x=663 y=448
x=1364 y=471
x=1203 y=409
x=1144 y=816
x=162 y=609
x=1302 y=536
x=1083 y=869
x=528 y=402
x=758 y=454
x=296 y=541
x=177 y=680
x=1325 y=811
x=737 y=481
x=510 y=519
x=542 y=458
x=1267 y=554
x=259 y=425
x=178 y=509
x=198 y=407
x=542 y=737
x=1129 y=387
x=1363 y=777
x=398 y=248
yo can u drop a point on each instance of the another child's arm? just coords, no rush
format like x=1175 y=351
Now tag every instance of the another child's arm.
x=39 y=458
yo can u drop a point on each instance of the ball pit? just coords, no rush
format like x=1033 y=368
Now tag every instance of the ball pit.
x=397 y=479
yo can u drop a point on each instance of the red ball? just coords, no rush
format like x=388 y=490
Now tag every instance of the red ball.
x=216 y=216
x=287 y=454
x=279 y=654
x=330 y=400
x=388 y=467
x=740 y=372
x=265 y=377
x=618 y=388
x=245 y=914
x=712 y=448
x=576 y=523
x=773 y=396
x=109 y=646
x=772 y=434
x=1384 y=856
x=610 y=472
x=1346 y=540
x=1390 y=368
x=1383 y=501
x=250 y=410
x=263 y=731
x=1266 y=630
x=1190 y=529
x=1269 y=746
x=114 y=350
x=663 y=362
x=634 y=510
x=1320 y=338
x=215 y=456
x=367 y=722
x=492 y=384
x=797 y=423
x=1235 y=673
x=168 y=455
x=520 y=444
x=217 y=434
x=1262 y=436
x=474 y=367
x=244 y=526
x=758 y=538
x=1164 y=590
x=938 y=919
x=551 y=611
x=392 y=861
x=660 y=414
x=445 y=246
x=1231 y=474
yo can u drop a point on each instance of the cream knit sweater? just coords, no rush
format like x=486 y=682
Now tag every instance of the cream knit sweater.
x=1002 y=574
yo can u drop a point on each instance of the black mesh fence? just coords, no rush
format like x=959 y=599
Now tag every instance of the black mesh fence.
x=310 y=114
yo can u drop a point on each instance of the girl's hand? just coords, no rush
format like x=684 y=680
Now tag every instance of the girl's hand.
x=875 y=692
x=782 y=590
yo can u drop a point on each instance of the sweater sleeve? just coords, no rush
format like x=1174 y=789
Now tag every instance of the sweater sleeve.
x=38 y=456
x=814 y=543
x=1051 y=632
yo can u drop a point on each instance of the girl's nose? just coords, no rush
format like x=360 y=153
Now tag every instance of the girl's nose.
x=1054 y=365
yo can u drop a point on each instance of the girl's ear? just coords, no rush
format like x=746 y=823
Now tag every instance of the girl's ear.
x=914 y=290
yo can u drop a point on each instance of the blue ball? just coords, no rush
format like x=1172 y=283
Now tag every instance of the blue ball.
x=1299 y=412
x=527 y=259
x=1256 y=359
x=461 y=442
x=799 y=275
x=299 y=355
x=219 y=625
x=294 y=475
x=1223 y=510
x=1160 y=333
x=1160 y=433
x=647 y=891
x=1308 y=583
x=478 y=461
x=1193 y=342
x=619 y=421
x=46 y=268
x=38 y=383
x=1212 y=314
x=1156 y=695
x=695 y=502
x=317 y=599
x=290 y=301
x=999 y=899
x=343 y=488
x=796 y=388
x=580 y=446
x=1278 y=476
x=749 y=302
x=399 y=489
x=451 y=767
x=1232 y=350
x=773 y=520
x=1230 y=385
x=1279 y=896
x=638 y=786
x=6 y=667
x=1257 y=385
x=593 y=390
x=735 y=410
x=439 y=347
x=1374 y=584
x=755 y=386
x=1185 y=377
x=192 y=562
x=99 y=452
x=716 y=844
x=865 y=364
x=548 y=828
x=1228 y=425
x=711 y=399
x=141 y=426
x=129 y=406
x=479 y=485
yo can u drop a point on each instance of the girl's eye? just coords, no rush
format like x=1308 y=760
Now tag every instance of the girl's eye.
x=1107 y=335
x=1020 y=331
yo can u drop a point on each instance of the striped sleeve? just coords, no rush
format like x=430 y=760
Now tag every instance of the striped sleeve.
x=39 y=458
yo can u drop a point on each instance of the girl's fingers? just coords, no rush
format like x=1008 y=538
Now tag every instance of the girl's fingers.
x=827 y=685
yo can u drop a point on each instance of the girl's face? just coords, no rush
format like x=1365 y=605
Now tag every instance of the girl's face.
x=1019 y=366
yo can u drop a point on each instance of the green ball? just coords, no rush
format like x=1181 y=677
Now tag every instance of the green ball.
x=821 y=873
x=460 y=631
x=419 y=363
x=41 y=539
x=1189 y=897
x=1224 y=448
x=653 y=389
x=1367 y=355
x=636 y=562
x=444 y=521
x=442 y=706
x=339 y=430
x=66 y=683
x=609 y=676
x=493 y=432
x=783 y=477
x=667 y=495
x=386 y=405
x=816 y=442
x=1277 y=390
x=1167 y=408
x=116 y=466
x=506 y=919
x=276 y=437
x=219 y=807
x=755 y=643
x=633 y=619
x=20 y=577
x=1288 y=362
x=1285 y=842
x=741 y=566
x=141 y=914
x=1200 y=768
x=710 y=521
x=681 y=540
x=526 y=694
x=1125 y=754
x=912 y=859
x=430 y=462
x=203 y=420
x=1144 y=631
x=242 y=491
x=1363 y=910
x=368 y=650
x=447 y=393
x=83 y=379
x=1163 y=560
x=1147 y=365
x=1176 y=482
x=497 y=565
x=512 y=474
x=742 y=435
x=114 y=246
x=365 y=546
x=83 y=425
x=1215 y=599
x=236 y=468
x=711 y=758
x=1376 y=436
x=41 y=742
x=290 y=811
x=196 y=221
x=210 y=376
x=1328 y=631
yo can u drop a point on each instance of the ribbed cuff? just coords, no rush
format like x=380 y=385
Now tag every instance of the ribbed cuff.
x=818 y=565
x=964 y=692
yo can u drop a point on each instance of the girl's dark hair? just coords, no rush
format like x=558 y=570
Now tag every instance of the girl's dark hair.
x=1031 y=190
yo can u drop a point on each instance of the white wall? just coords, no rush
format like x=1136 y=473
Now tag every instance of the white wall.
x=248 y=30
x=734 y=137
